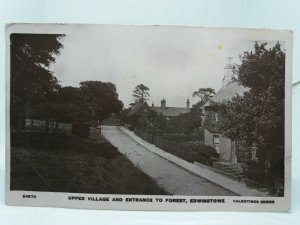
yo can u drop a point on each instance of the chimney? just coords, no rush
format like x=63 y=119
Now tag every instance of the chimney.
x=163 y=103
x=188 y=103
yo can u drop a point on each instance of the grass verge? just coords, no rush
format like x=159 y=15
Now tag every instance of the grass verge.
x=61 y=163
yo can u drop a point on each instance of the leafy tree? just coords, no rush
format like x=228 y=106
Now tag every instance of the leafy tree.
x=101 y=99
x=258 y=116
x=71 y=106
x=154 y=123
x=124 y=116
x=140 y=94
x=187 y=123
x=263 y=71
x=204 y=94
x=32 y=83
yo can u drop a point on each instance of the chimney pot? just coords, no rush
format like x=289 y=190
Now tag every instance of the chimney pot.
x=188 y=103
x=163 y=103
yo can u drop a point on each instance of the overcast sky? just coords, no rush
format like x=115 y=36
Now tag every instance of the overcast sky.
x=172 y=62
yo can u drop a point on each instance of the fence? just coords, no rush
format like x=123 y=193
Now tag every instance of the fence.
x=179 y=149
x=40 y=124
x=183 y=138
x=65 y=127
x=35 y=123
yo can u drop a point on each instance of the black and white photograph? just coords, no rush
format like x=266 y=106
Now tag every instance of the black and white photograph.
x=125 y=116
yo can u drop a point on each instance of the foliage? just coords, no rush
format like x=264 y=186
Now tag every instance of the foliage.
x=32 y=83
x=197 y=109
x=202 y=153
x=81 y=129
x=204 y=94
x=101 y=99
x=36 y=93
x=124 y=115
x=259 y=114
x=140 y=94
x=153 y=123
x=71 y=106
x=186 y=123
x=257 y=117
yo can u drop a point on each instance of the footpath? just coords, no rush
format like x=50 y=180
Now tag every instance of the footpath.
x=201 y=170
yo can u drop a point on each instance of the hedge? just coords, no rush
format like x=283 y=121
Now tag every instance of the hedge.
x=81 y=129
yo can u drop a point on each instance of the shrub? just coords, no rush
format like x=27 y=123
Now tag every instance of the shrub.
x=202 y=153
x=81 y=129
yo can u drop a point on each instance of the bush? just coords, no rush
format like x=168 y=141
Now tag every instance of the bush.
x=202 y=153
x=81 y=129
x=181 y=138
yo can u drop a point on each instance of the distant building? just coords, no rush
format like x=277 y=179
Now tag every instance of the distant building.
x=139 y=109
x=143 y=108
x=230 y=88
x=170 y=112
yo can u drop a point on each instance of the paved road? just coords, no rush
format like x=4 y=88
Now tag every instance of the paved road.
x=167 y=175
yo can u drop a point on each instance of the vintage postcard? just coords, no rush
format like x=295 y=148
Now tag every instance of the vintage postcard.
x=171 y=118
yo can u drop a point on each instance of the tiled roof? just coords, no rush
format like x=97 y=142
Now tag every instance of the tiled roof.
x=170 y=111
x=228 y=92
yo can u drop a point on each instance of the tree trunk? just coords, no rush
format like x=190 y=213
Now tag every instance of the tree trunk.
x=56 y=126
x=21 y=121
x=47 y=126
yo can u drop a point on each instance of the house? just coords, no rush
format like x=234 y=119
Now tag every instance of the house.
x=142 y=108
x=170 y=112
x=230 y=88
x=139 y=110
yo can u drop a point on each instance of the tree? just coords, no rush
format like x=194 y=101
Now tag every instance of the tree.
x=71 y=106
x=263 y=71
x=33 y=85
x=204 y=94
x=101 y=99
x=141 y=94
x=258 y=116
x=153 y=123
x=187 y=123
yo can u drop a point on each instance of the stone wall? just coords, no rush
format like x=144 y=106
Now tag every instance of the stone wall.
x=226 y=146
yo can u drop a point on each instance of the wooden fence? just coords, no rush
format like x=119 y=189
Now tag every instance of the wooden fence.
x=40 y=124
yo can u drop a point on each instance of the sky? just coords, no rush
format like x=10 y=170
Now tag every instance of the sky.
x=172 y=62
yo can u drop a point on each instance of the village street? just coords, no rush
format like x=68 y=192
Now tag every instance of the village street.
x=168 y=175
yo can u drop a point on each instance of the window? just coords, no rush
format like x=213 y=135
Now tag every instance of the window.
x=253 y=150
x=216 y=142
x=253 y=153
x=216 y=117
